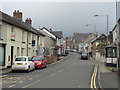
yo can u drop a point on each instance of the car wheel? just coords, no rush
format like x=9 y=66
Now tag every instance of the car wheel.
x=46 y=66
x=13 y=71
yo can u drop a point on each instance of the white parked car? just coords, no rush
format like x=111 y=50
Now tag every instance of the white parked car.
x=23 y=63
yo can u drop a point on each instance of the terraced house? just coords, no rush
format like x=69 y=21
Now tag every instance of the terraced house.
x=17 y=38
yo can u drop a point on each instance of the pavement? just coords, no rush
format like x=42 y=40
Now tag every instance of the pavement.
x=108 y=77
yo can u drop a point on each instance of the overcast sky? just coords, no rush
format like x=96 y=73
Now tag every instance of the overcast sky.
x=68 y=17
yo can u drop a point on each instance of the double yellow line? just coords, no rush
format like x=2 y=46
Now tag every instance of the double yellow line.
x=2 y=76
x=93 y=78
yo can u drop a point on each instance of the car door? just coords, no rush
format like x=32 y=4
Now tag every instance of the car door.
x=44 y=61
x=31 y=63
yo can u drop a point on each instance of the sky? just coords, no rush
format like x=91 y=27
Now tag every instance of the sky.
x=68 y=17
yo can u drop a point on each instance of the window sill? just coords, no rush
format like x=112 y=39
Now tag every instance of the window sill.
x=12 y=39
x=23 y=42
x=1 y=39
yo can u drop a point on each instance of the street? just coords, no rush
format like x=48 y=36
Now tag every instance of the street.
x=60 y=45
x=70 y=73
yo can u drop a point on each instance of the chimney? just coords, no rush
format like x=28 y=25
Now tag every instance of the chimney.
x=50 y=30
x=28 y=21
x=17 y=14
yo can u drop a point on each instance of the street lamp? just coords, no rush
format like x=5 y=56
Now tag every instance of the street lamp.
x=93 y=26
x=107 y=24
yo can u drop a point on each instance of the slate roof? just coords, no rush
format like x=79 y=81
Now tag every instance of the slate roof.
x=100 y=38
x=112 y=45
x=58 y=34
x=80 y=37
x=19 y=23
x=70 y=38
x=41 y=30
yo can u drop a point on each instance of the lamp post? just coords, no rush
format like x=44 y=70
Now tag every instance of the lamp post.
x=118 y=44
x=93 y=26
x=107 y=25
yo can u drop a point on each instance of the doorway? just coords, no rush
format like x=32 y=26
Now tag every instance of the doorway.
x=12 y=49
x=2 y=55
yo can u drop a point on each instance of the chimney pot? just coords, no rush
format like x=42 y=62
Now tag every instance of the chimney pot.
x=28 y=21
x=17 y=14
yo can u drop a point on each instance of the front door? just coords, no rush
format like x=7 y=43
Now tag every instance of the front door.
x=12 y=54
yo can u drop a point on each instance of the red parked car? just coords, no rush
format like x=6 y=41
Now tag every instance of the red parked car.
x=40 y=61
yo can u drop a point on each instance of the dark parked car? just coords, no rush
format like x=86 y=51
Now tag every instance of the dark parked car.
x=80 y=52
x=84 y=56
x=66 y=51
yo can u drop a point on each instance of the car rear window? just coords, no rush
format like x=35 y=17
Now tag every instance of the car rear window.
x=20 y=59
x=84 y=54
x=38 y=58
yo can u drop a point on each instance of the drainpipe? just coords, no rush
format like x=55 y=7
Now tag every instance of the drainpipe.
x=27 y=44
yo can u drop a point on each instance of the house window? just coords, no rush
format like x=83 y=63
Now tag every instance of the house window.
x=29 y=38
x=13 y=34
x=33 y=37
x=18 y=51
x=23 y=36
x=22 y=51
x=33 y=40
x=29 y=51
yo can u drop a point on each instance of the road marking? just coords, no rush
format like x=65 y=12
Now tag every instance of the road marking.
x=18 y=78
x=51 y=75
x=99 y=83
x=61 y=70
x=3 y=76
x=11 y=86
x=95 y=78
x=31 y=84
x=3 y=82
x=13 y=81
x=79 y=86
x=21 y=81
x=10 y=82
x=10 y=77
x=30 y=78
x=92 y=79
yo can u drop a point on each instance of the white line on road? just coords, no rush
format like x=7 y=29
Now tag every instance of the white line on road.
x=51 y=75
x=11 y=86
x=21 y=81
x=3 y=76
x=61 y=70
x=31 y=84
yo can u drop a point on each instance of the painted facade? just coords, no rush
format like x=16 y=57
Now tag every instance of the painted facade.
x=17 y=38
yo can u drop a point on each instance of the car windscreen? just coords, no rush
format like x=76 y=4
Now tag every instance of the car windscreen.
x=84 y=54
x=20 y=59
x=37 y=58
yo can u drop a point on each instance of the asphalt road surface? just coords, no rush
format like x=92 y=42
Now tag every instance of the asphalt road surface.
x=70 y=73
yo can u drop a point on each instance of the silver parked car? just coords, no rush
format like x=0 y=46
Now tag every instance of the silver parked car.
x=23 y=63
